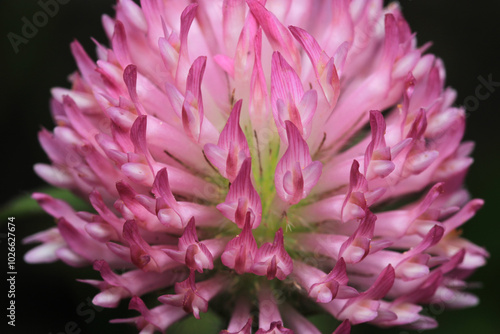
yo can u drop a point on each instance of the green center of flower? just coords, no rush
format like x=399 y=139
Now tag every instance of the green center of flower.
x=265 y=152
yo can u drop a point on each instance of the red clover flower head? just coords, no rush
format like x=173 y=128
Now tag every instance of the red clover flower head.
x=266 y=159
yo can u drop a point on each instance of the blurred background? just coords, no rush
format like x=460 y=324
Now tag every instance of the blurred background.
x=465 y=34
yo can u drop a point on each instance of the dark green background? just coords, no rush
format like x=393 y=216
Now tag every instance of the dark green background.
x=466 y=36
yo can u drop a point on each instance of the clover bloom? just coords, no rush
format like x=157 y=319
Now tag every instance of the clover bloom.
x=267 y=159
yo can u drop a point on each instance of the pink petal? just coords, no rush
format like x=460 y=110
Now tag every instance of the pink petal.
x=240 y=251
x=232 y=147
x=242 y=198
x=296 y=174
x=272 y=260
